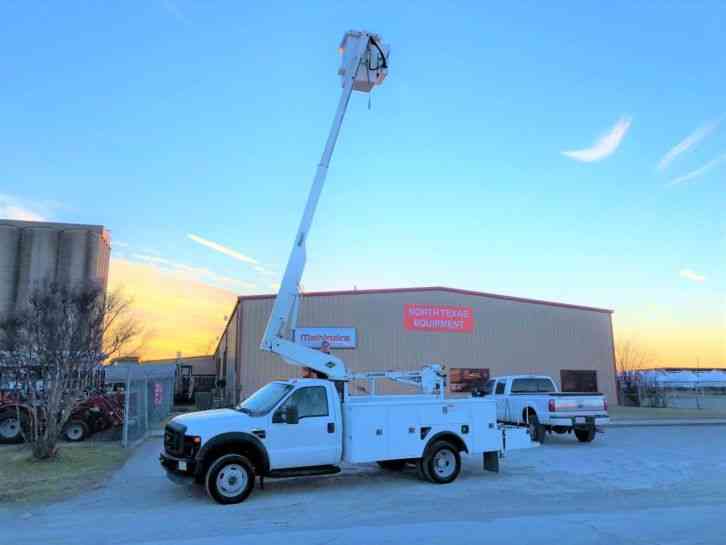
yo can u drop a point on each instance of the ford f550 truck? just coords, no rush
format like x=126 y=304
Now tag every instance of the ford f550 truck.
x=306 y=427
x=301 y=427
x=534 y=401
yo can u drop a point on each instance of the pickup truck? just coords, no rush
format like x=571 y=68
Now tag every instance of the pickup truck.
x=300 y=427
x=535 y=402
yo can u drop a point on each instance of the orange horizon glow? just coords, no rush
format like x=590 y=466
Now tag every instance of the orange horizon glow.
x=185 y=315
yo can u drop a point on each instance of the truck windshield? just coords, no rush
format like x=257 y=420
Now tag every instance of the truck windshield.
x=264 y=399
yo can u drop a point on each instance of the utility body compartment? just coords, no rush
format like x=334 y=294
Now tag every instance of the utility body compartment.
x=399 y=427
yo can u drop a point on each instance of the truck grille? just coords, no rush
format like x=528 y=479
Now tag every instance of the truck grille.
x=173 y=441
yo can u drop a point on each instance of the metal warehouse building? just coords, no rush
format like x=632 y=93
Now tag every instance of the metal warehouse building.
x=475 y=335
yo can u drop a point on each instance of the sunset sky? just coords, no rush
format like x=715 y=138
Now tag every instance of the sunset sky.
x=573 y=153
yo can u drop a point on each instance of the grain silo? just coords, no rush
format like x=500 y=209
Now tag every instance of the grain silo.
x=33 y=253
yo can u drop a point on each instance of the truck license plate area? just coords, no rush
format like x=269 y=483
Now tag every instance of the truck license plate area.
x=580 y=420
x=182 y=466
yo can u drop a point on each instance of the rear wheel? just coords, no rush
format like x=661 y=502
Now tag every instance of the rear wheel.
x=75 y=431
x=230 y=479
x=392 y=465
x=536 y=430
x=442 y=463
x=585 y=435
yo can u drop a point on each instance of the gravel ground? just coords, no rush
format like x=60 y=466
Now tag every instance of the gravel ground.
x=634 y=485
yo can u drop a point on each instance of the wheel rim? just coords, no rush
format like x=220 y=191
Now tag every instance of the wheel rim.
x=231 y=480
x=444 y=463
x=74 y=432
x=9 y=428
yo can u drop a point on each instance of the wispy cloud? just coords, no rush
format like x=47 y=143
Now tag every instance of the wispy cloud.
x=605 y=146
x=699 y=171
x=690 y=275
x=689 y=141
x=13 y=208
x=199 y=274
x=222 y=249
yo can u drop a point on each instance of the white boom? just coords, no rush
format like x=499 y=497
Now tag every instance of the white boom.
x=364 y=66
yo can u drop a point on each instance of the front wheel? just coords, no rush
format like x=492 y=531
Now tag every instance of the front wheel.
x=442 y=463
x=75 y=431
x=230 y=479
x=585 y=435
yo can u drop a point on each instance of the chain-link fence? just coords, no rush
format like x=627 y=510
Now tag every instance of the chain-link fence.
x=641 y=392
x=148 y=398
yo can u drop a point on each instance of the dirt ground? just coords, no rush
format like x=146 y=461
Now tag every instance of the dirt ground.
x=632 y=485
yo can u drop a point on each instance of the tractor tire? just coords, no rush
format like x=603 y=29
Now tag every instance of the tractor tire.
x=585 y=435
x=11 y=427
x=75 y=431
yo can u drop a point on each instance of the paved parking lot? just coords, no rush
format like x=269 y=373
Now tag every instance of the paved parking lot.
x=632 y=485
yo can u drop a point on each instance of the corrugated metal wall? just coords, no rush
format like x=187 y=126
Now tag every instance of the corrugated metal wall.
x=509 y=337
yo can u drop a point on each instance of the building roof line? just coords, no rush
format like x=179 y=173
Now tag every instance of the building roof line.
x=434 y=288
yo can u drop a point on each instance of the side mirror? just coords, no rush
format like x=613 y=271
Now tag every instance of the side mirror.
x=291 y=415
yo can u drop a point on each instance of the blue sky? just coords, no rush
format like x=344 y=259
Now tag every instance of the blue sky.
x=161 y=119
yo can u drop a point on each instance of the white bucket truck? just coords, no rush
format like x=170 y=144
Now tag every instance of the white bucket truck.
x=310 y=426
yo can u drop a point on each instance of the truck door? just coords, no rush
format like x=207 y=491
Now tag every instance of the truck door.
x=501 y=400
x=315 y=439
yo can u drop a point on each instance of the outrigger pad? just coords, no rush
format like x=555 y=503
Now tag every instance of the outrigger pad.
x=491 y=461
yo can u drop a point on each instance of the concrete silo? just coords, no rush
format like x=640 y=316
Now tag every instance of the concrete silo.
x=34 y=253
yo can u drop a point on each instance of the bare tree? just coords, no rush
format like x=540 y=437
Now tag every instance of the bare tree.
x=55 y=345
x=631 y=357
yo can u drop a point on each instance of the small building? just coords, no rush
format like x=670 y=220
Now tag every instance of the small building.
x=201 y=369
x=475 y=335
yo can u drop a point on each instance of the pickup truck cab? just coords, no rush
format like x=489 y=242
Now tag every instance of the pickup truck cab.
x=301 y=427
x=534 y=401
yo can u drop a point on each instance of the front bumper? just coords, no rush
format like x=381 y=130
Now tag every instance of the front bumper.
x=579 y=421
x=178 y=470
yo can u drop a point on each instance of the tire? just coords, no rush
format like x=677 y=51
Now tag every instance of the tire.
x=230 y=479
x=585 y=435
x=536 y=430
x=10 y=427
x=442 y=462
x=75 y=431
x=421 y=470
x=392 y=465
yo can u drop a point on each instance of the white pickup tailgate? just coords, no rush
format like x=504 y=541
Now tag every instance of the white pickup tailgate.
x=579 y=404
x=375 y=428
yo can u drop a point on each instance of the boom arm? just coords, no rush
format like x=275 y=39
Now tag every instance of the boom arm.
x=364 y=66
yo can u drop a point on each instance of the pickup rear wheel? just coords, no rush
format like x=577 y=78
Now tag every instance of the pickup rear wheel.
x=442 y=462
x=536 y=430
x=230 y=479
x=585 y=435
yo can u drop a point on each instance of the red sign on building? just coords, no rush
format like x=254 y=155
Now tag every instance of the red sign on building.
x=438 y=318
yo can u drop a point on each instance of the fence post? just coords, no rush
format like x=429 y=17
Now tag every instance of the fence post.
x=127 y=399
x=146 y=406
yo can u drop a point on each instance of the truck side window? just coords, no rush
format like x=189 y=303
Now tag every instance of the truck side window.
x=500 y=388
x=488 y=388
x=310 y=401
x=545 y=385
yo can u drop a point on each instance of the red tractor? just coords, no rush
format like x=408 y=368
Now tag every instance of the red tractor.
x=98 y=412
